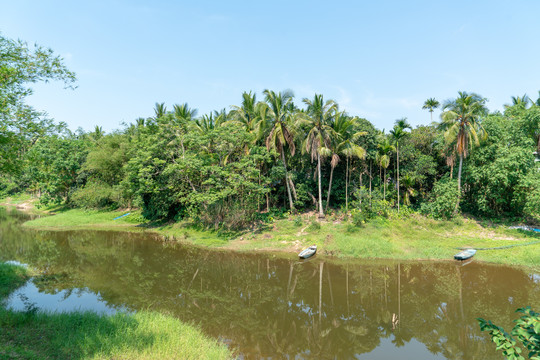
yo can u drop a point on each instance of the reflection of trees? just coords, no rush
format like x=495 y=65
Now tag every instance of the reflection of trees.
x=267 y=306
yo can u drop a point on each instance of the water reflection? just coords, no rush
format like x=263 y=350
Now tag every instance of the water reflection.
x=272 y=307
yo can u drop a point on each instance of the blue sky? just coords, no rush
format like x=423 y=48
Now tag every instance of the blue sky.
x=378 y=59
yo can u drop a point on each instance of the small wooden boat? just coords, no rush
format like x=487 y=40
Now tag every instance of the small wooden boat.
x=465 y=254
x=309 y=252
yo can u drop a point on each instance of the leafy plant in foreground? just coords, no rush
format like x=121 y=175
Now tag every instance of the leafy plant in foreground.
x=527 y=331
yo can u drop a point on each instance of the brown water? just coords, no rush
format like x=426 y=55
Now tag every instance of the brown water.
x=265 y=306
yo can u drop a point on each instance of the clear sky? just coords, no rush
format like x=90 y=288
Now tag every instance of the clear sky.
x=378 y=59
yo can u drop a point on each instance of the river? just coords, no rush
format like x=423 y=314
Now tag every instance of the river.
x=274 y=306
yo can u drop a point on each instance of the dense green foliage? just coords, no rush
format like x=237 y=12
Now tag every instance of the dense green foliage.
x=230 y=168
x=527 y=331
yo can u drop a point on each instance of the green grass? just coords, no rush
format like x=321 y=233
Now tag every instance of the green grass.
x=16 y=199
x=143 y=335
x=72 y=219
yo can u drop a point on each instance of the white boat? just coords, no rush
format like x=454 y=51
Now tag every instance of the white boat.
x=465 y=254
x=309 y=252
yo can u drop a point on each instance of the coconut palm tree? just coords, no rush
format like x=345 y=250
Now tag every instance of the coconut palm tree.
x=159 y=110
x=320 y=116
x=383 y=158
x=343 y=143
x=280 y=113
x=519 y=101
x=431 y=104
x=460 y=122
x=398 y=133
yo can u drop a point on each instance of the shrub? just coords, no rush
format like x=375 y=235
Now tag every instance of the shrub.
x=443 y=200
x=527 y=331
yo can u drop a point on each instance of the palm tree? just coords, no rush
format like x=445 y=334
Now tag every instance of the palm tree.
x=383 y=158
x=280 y=113
x=343 y=143
x=408 y=183
x=159 y=110
x=431 y=104
x=184 y=113
x=460 y=122
x=317 y=142
x=251 y=115
x=398 y=133
x=519 y=101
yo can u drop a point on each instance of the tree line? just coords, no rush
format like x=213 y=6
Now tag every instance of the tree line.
x=269 y=155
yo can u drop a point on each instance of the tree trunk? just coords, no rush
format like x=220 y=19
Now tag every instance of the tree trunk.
x=397 y=150
x=347 y=186
x=287 y=180
x=321 y=211
x=370 y=164
x=330 y=186
x=384 y=185
x=459 y=180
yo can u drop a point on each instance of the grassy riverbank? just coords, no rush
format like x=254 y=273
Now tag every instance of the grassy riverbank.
x=413 y=237
x=143 y=335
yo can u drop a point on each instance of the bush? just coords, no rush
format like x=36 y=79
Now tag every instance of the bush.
x=358 y=218
x=97 y=195
x=314 y=226
x=443 y=200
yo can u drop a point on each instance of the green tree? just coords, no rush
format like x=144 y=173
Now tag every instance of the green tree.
x=280 y=114
x=20 y=125
x=431 y=104
x=461 y=124
x=320 y=116
x=343 y=143
x=398 y=133
x=383 y=158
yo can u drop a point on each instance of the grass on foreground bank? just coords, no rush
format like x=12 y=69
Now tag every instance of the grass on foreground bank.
x=414 y=237
x=143 y=335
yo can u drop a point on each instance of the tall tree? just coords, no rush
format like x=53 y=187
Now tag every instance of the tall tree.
x=460 y=122
x=383 y=158
x=280 y=113
x=343 y=143
x=320 y=116
x=431 y=104
x=398 y=133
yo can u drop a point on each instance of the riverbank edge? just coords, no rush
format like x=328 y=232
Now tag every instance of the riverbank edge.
x=411 y=238
x=142 y=335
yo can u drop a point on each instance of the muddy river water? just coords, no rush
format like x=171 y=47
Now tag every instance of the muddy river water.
x=274 y=306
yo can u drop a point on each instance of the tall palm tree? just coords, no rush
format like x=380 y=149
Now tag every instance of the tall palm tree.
x=520 y=101
x=383 y=158
x=398 y=133
x=251 y=115
x=280 y=113
x=320 y=116
x=159 y=110
x=183 y=112
x=343 y=143
x=460 y=122
x=431 y=104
